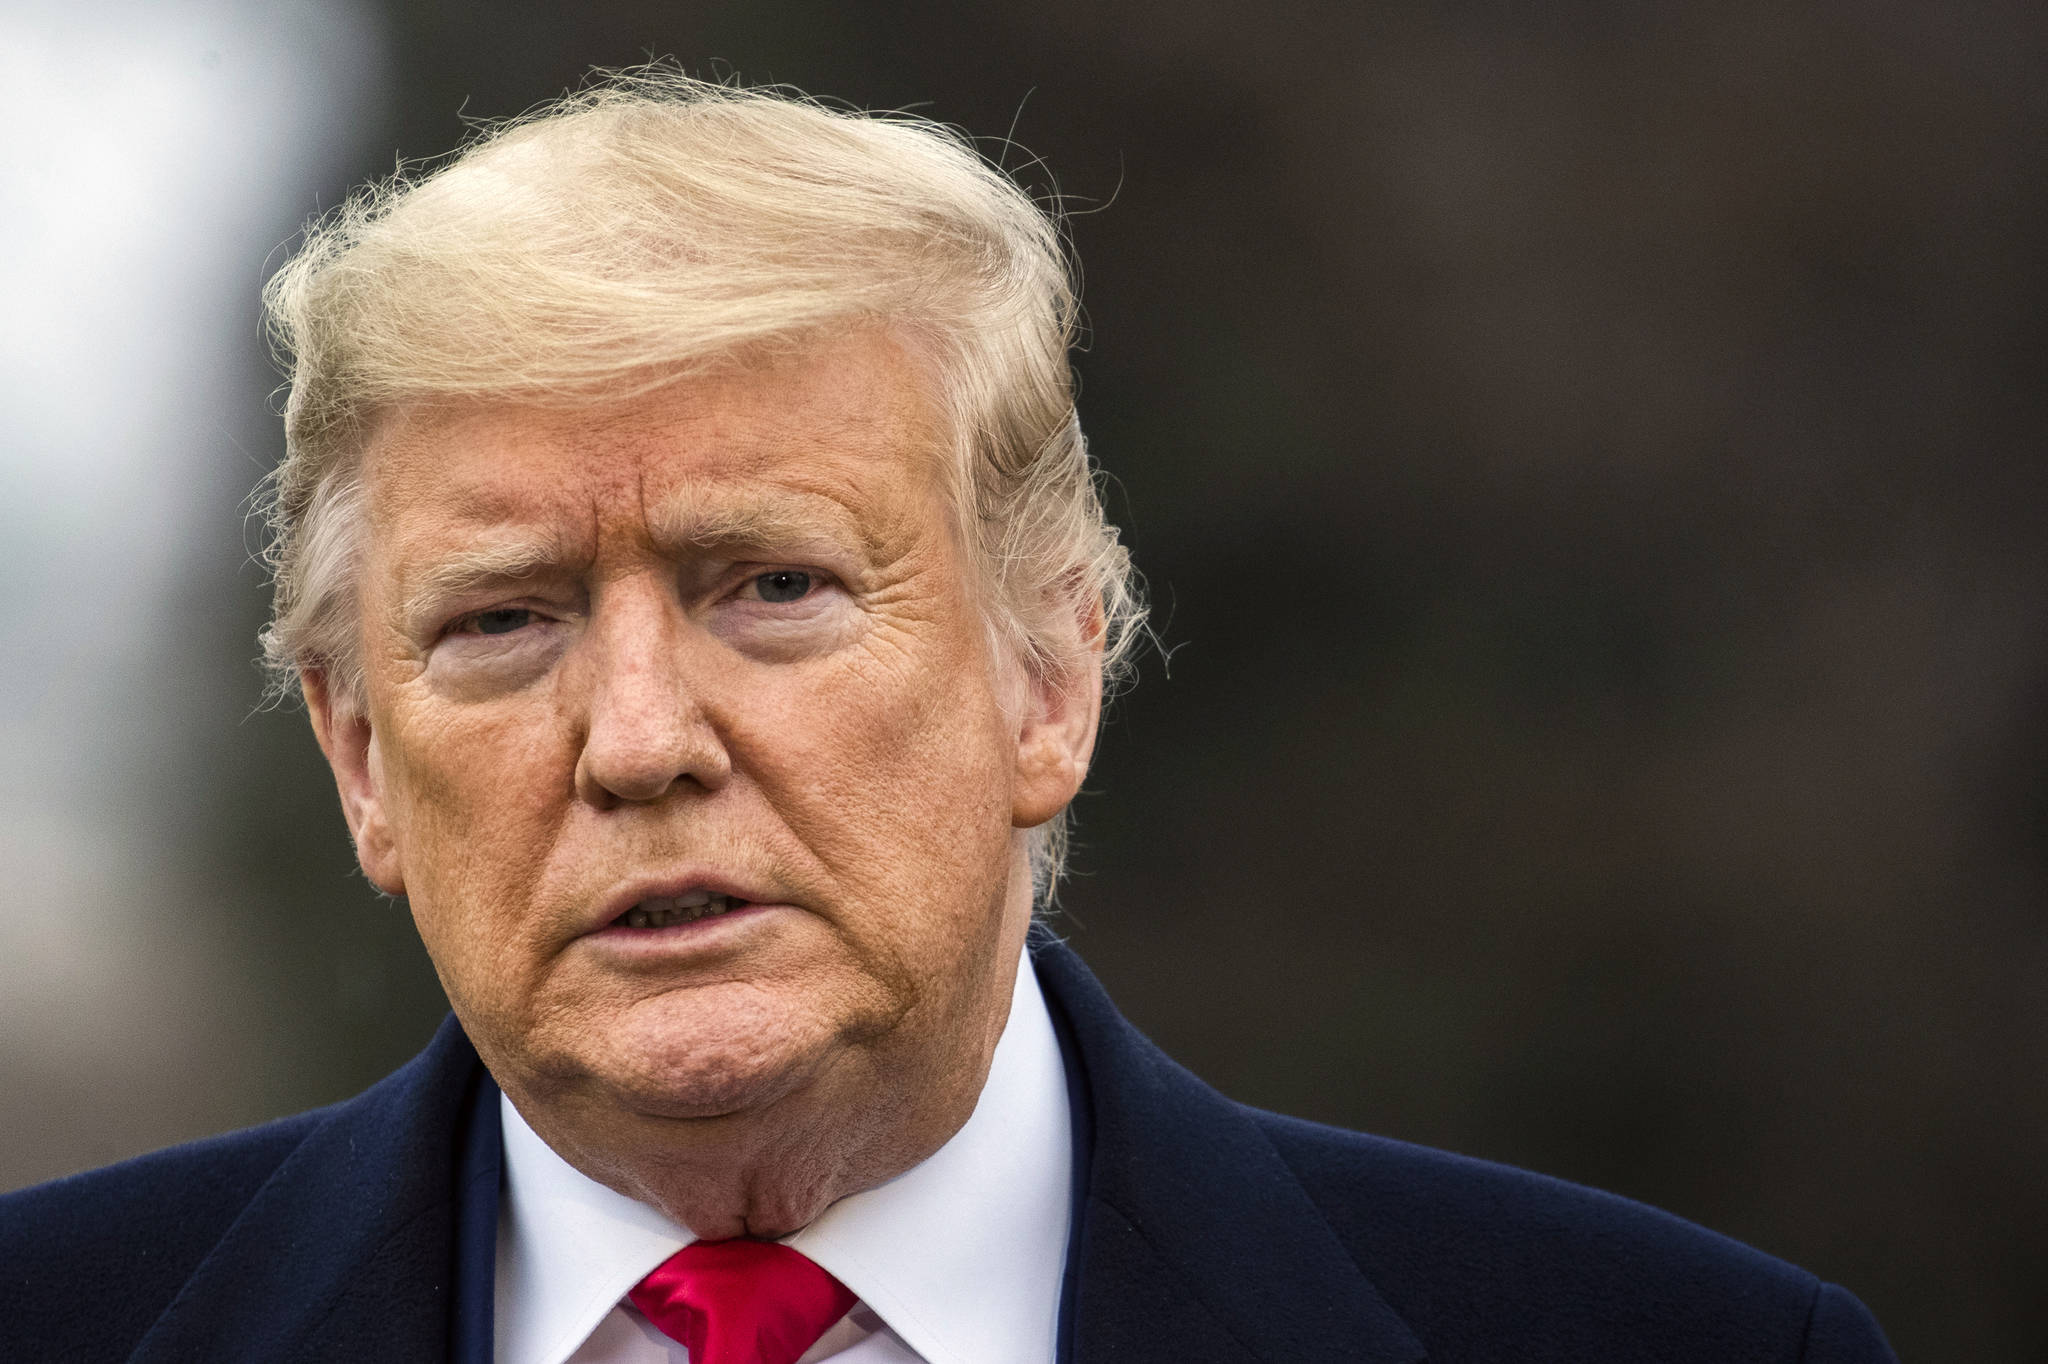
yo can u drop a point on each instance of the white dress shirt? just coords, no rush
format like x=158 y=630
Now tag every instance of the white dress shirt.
x=957 y=1260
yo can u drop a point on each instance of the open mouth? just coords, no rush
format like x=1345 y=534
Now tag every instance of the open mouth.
x=664 y=911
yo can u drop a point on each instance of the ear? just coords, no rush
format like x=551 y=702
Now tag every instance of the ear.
x=351 y=748
x=1056 y=736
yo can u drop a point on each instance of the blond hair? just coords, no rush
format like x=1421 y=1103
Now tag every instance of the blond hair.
x=652 y=225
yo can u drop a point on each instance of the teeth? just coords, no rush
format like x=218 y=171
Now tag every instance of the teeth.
x=662 y=910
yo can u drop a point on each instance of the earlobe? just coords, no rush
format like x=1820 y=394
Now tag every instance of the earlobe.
x=345 y=737
x=1048 y=779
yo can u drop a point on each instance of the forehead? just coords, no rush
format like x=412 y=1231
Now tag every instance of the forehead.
x=842 y=431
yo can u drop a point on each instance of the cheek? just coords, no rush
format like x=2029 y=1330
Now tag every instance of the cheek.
x=475 y=827
x=898 y=781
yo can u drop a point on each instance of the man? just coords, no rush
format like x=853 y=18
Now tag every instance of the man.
x=689 y=557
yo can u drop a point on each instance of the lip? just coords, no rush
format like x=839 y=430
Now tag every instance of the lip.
x=606 y=915
x=700 y=941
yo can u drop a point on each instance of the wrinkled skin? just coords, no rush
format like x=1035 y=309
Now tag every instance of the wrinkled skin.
x=724 y=634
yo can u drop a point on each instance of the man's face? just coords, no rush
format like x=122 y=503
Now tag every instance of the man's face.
x=685 y=743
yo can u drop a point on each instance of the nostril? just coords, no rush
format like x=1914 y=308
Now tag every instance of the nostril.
x=609 y=770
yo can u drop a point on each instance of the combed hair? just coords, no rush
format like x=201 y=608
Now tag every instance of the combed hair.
x=652 y=226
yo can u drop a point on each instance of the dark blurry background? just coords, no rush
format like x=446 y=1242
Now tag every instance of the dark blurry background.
x=1588 y=462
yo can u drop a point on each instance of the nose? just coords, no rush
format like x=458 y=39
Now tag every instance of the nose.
x=646 y=731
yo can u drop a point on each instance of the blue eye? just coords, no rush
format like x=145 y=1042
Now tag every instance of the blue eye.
x=502 y=621
x=783 y=585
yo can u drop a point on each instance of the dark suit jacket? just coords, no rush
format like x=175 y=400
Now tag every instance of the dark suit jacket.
x=1204 y=1231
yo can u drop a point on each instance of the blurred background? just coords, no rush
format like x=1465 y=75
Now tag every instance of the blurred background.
x=1588 y=459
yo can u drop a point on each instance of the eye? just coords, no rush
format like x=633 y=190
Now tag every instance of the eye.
x=783 y=585
x=500 y=621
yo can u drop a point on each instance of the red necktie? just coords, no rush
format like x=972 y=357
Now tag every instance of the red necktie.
x=741 y=1302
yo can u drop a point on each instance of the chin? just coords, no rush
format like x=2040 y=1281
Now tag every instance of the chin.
x=710 y=1052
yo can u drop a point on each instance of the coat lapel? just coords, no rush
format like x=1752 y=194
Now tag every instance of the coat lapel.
x=1193 y=1240
x=346 y=1253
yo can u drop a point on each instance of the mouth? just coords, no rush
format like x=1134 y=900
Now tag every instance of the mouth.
x=666 y=911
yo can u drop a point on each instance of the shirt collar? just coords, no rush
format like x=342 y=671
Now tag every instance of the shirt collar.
x=961 y=1255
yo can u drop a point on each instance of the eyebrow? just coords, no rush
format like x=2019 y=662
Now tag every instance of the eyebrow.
x=758 y=522
x=453 y=575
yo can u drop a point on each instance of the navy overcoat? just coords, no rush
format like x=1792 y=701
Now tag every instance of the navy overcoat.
x=1204 y=1231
